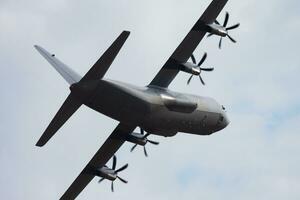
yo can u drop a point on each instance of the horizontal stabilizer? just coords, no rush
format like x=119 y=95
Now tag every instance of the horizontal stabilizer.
x=66 y=72
x=101 y=66
x=70 y=105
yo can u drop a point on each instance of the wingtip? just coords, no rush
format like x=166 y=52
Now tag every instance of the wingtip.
x=126 y=32
x=39 y=144
x=38 y=48
x=42 y=51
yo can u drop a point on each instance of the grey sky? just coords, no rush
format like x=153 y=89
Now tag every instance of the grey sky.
x=256 y=157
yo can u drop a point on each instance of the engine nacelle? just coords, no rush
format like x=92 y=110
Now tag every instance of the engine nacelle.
x=105 y=172
x=217 y=29
x=136 y=138
x=190 y=68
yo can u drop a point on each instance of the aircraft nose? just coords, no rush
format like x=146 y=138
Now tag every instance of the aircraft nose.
x=223 y=122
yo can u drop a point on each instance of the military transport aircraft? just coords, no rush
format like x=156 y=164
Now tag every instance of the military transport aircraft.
x=154 y=109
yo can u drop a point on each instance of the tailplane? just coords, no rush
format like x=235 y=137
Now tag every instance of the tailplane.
x=80 y=89
x=101 y=66
x=68 y=108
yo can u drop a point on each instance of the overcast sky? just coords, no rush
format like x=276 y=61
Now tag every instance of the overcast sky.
x=257 y=79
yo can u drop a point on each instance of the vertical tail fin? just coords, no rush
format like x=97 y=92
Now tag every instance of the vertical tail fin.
x=66 y=72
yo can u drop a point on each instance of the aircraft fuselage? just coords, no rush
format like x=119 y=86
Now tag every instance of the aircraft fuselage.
x=157 y=110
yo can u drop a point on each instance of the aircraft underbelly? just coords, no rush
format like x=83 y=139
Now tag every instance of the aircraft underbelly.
x=132 y=107
x=162 y=121
x=118 y=104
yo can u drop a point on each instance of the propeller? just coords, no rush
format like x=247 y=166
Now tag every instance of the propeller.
x=145 y=137
x=201 y=69
x=227 y=29
x=114 y=164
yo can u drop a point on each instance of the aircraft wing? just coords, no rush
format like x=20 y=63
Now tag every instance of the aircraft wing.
x=184 y=51
x=107 y=150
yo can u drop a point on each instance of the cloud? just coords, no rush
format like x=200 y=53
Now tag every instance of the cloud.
x=256 y=79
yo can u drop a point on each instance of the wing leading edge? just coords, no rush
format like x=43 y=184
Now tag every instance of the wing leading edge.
x=162 y=79
x=107 y=150
x=184 y=51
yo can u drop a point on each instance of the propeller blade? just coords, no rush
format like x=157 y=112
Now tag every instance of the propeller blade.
x=146 y=135
x=207 y=69
x=112 y=186
x=216 y=21
x=132 y=148
x=145 y=152
x=233 y=27
x=153 y=142
x=122 y=168
x=193 y=59
x=101 y=180
x=123 y=180
x=220 y=43
x=142 y=131
x=114 y=164
x=209 y=34
x=188 y=82
x=202 y=59
x=232 y=40
x=226 y=19
x=201 y=80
